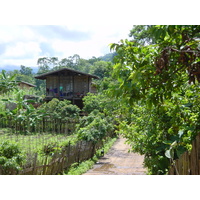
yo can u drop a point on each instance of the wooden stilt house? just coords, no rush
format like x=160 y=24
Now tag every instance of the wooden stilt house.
x=67 y=84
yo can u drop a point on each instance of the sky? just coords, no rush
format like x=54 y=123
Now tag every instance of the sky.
x=24 y=44
x=33 y=29
x=73 y=27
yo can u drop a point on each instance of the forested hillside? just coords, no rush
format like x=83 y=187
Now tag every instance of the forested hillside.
x=101 y=67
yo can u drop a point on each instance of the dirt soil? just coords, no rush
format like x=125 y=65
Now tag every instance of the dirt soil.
x=119 y=162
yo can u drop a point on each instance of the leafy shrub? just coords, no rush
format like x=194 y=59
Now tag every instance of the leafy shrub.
x=11 y=157
x=92 y=102
x=50 y=148
x=80 y=168
x=94 y=127
x=60 y=109
x=158 y=84
x=165 y=132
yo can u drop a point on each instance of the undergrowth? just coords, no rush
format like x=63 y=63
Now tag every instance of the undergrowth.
x=80 y=168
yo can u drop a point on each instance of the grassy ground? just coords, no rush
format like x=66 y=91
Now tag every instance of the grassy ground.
x=34 y=143
x=78 y=169
x=31 y=144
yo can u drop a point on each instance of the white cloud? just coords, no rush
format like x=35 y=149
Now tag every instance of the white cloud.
x=23 y=45
x=85 y=28
x=22 y=50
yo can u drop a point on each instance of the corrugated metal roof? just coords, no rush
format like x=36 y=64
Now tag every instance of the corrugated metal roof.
x=43 y=76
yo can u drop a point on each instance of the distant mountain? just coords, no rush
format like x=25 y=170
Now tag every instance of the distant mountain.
x=9 y=67
x=15 y=67
x=108 y=57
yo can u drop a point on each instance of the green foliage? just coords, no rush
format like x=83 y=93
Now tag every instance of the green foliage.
x=94 y=127
x=36 y=142
x=153 y=81
x=93 y=102
x=50 y=148
x=153 y=132
x=24 y=114
x=78 y=169
x=102 y=69
x=108 y=57
x=26 y=70
x=7 y=83
x=11 y=157
x=60 y=109
x=101 y=102
x=45 y=64
x=157 y=70
x=141 y=34
x=101 y=119
x=56 y=146
x=25 y=118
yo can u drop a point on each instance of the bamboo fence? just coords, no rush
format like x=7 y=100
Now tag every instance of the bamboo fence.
x=60 y=161
x=189 y=162
x=46 y=125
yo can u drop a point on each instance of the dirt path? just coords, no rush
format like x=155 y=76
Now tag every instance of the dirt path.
x=119 y=162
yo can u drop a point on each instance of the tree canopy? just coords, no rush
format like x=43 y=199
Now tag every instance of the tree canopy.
x=163 y=66
x=158 y=75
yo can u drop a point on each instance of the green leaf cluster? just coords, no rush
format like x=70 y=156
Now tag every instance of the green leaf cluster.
x=60 y=109
x=11 y=157
x=7 y=83
x=94 y=127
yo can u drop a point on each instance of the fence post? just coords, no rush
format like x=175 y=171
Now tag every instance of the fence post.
x=79 y=152
x=63 y=159
x=44 y=166
x=68 y=155
x=66 y=127
x=34 y=164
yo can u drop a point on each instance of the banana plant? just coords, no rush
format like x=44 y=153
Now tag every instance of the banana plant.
x=7 y=83
x=24 y=116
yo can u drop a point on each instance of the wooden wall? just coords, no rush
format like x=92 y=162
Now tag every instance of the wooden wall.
x=27 y=88
x=76 y=84
x=81 y=84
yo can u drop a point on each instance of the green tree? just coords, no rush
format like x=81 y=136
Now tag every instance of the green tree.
x=46 y=64
x=11 y=157
x=62 y=110
x=141 y=34
x=153 y=81
x=93 y=60
x=102 y=69
x=164 y=67
x=26 y=70
x=66 y=62
x=94 y=127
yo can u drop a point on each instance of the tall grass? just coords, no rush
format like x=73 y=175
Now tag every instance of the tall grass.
x=34 y=143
